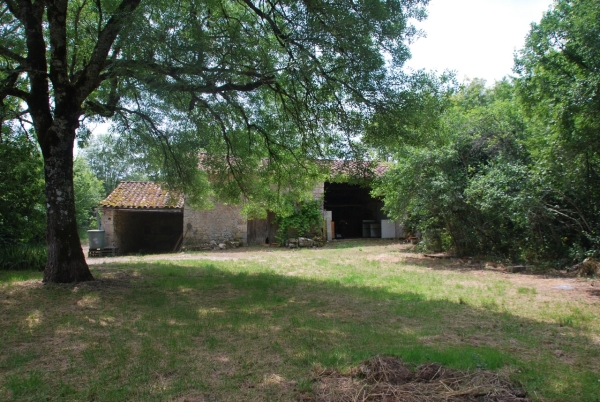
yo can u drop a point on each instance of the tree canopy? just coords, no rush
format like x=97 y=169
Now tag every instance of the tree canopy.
x=510 y=170
x=111 y=160
x=241 y=80
x=560 y=88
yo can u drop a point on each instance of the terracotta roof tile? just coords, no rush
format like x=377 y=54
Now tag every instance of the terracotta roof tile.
x=358 y=169
x=351 y=168
x=142 y=195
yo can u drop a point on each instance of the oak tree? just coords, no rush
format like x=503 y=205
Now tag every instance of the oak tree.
x=242 y=80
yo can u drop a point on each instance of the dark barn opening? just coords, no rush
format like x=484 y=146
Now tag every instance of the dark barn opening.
x=350 y=205
x=144 y=232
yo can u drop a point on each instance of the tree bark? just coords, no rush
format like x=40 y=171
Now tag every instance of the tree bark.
x=66 y=261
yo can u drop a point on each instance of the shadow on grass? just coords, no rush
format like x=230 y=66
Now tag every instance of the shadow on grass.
x=160 y=331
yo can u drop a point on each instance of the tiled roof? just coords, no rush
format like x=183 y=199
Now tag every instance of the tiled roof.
x=348 y=168
x=356 y=169
x=142 y=195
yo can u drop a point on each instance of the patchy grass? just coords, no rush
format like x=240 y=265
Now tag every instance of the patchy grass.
x=253 y=325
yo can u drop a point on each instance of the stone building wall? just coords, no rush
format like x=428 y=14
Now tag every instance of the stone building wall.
x=115 y=223
x=108 y=222
x=223 y=224
x=319 y=191
x=202 y=229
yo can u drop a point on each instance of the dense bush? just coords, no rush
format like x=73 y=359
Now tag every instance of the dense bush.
x=475 y=186
x=512 y=170
x=306 y=220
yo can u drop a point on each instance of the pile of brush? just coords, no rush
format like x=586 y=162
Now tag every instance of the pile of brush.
x=387 y=379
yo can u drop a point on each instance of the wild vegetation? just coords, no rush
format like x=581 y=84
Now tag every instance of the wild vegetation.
x=265 y=324
x=511 y=170
x=304 y=219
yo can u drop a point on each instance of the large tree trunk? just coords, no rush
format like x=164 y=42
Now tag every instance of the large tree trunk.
x=58 y=86
x=66 y=261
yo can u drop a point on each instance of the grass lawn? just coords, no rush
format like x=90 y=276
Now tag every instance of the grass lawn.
x=255 y=324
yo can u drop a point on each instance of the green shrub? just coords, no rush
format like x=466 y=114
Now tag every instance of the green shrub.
x=306 y=220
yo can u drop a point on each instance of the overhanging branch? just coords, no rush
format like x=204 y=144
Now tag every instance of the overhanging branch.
x=89 y=79
x=13 y=56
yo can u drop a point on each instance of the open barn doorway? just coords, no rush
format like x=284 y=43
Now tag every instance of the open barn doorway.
x=353 y=209
x=148 y=232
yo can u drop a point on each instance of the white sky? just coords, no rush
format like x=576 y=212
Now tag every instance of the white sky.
x=475 y=38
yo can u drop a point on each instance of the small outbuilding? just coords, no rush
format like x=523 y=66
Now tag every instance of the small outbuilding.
x=142 y=217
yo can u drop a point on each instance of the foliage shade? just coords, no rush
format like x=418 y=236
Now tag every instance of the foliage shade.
x=240 y=83
x=286 y=312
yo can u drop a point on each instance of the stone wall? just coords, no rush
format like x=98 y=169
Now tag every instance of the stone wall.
x=111 y=238
x=319 y=191
x=223 y=224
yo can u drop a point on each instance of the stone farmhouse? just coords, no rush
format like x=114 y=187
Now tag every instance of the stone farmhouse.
x=142 y=217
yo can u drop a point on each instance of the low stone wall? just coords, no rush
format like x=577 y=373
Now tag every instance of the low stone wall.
x=304 y=242
x=220 y=227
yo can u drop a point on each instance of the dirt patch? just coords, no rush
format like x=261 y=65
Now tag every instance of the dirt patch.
x=387 y=379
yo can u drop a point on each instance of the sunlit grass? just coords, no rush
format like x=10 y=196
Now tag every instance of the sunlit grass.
x=218 y=330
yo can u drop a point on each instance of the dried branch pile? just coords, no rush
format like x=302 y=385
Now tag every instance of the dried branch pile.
x=387 y=379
